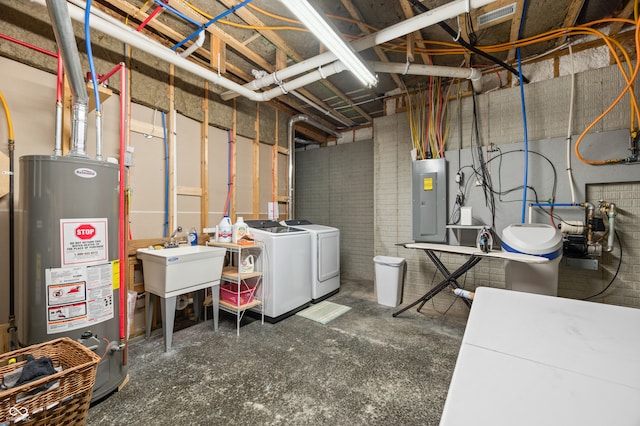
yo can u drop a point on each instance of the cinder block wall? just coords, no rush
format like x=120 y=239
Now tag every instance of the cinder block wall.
x=501 y=123
x=334 y=187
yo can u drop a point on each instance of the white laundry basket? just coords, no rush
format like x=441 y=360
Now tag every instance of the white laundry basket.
x=389 y=273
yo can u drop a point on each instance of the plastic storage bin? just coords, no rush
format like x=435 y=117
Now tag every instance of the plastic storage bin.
x=389 y=273
x=229 y=293
x=539 y=240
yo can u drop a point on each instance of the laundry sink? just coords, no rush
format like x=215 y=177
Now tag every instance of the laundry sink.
x=171 y=272
x=174 y=271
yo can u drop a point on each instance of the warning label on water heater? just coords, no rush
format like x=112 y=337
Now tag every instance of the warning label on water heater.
x=83 y=241
x=78 y=297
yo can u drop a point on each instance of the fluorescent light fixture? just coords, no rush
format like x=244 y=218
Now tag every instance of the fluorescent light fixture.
x=312 y=19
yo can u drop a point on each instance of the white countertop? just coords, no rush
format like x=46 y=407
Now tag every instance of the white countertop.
x=529 y=359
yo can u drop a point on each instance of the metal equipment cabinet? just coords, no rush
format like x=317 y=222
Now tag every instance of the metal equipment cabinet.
x=244 y=281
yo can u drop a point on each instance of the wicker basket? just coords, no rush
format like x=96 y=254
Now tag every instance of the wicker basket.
x=64 y=404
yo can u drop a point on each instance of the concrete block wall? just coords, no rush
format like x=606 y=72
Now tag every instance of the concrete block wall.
x=500 y=122
x=334 y=187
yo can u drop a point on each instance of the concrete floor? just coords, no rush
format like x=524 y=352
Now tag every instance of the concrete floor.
x=365 y=367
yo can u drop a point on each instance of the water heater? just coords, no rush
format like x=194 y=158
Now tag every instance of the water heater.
x=429 y=200
x=70 y=275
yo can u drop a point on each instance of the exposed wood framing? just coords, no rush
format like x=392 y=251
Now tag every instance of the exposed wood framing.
x=626 y=13
x=408 y=11
x=218 y=54
x=572 y=15
x=189 y=191
x=515 y=28
x=274 y=38
x=130 y=10
x=355 y=14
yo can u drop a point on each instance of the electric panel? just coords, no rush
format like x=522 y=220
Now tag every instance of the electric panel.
x=429 y=200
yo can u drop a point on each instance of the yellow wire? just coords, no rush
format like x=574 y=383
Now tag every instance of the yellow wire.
x=8 y=114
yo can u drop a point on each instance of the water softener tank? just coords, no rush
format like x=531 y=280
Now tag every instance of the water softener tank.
x=70 y=275
x=536 y=239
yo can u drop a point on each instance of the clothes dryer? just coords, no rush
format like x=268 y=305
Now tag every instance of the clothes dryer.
x=287 y=268
x=325 y=258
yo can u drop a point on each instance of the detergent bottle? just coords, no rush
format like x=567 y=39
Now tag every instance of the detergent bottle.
x=225 y=229
x=239 y=230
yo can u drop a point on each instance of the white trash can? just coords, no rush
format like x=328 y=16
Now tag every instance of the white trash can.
x=389 y=273
x=539 y=240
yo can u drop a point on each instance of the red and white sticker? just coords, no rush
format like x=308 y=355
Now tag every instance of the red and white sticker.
x=84 y=241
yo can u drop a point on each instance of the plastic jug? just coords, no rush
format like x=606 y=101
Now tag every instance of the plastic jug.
x=239 y=230
x=246 y=266
x=193 y=236
x=225 y=229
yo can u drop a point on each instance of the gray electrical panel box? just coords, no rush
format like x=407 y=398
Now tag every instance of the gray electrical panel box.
x=429 y=200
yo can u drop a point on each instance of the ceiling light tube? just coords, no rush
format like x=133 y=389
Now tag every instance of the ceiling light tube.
x=325 y=33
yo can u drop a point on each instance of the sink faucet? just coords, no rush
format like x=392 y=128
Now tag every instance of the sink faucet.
x=172 y=240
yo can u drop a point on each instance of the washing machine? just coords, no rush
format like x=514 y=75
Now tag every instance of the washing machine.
x=287 y=268
x=325 y=258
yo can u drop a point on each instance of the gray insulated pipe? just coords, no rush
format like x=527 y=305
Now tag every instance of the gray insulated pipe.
x=292 y=151
x=66 y=41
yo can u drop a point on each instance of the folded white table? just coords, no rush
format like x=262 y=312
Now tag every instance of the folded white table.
x=528 y=359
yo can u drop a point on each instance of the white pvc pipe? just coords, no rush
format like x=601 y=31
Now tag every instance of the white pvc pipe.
x=194 y=46
x=431 y=70
x=418 y=22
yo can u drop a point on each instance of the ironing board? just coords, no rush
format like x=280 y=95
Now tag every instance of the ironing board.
x=474 y=257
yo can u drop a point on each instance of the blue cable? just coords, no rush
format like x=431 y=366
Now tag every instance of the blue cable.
x=212 y=21
x=87 y=39
x=524 y=119
x=177 y=13
x=166 y=176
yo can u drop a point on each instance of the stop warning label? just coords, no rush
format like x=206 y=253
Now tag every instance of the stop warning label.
x=84 y=241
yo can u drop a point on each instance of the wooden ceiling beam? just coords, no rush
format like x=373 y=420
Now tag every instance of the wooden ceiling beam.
x=626 y=13
x=572 y=16
x=355 y=14
x=408 y=11
x=127 y=8
x=515 y=29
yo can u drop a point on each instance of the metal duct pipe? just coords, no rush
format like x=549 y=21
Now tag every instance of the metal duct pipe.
x=292 y=150
x=66 y=41
x=432 y=17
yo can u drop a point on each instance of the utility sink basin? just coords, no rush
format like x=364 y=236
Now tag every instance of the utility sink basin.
x=170 y=272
